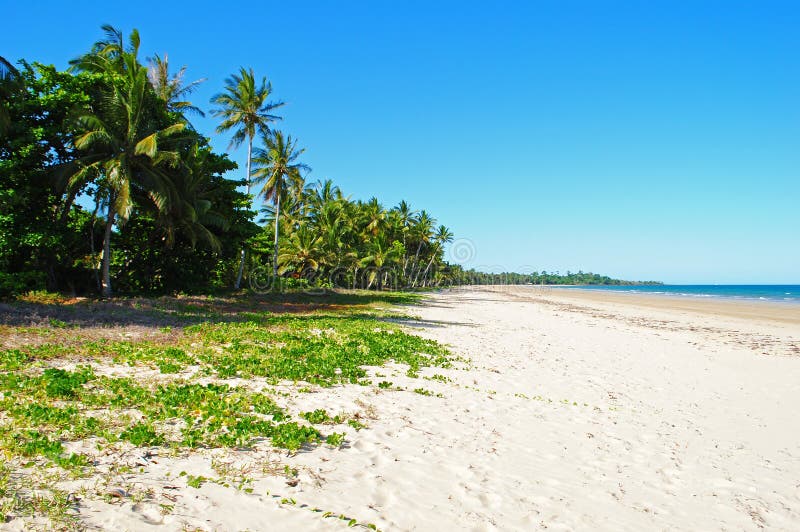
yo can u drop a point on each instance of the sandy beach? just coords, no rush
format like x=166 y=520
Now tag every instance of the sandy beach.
x=576 y=411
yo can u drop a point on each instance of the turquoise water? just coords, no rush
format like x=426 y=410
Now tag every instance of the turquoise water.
x=787 y=293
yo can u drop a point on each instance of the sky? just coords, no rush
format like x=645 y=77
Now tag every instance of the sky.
x=638 y=139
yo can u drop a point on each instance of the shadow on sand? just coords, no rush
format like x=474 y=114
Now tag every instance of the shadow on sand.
x=190 y=310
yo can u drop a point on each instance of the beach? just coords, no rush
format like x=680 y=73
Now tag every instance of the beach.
x=569 y=411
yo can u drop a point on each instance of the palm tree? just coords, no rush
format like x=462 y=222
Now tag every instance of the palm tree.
x=303 y=250
x=171 y=88
x=278 y=168
x=245 y=109
x=422 y=231
x=443 y=236
x=403 y=215
x=193 y=214
x=380 y=255
x=374 y=216
x=125 y=139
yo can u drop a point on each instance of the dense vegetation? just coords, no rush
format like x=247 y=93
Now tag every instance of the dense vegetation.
x=103 y=179
x=543 y=277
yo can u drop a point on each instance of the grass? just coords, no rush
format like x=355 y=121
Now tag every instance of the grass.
x=61 y=385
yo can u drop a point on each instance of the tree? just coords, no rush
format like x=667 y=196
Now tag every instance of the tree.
x=443 y=236
x=170 y=88
x=277 y=167
x=402 y=215
x=380 y=256
x=303 y=250
x=42 y=239
x=244 y=108
x=125 y=138
x=9 y=84
x=422 y=231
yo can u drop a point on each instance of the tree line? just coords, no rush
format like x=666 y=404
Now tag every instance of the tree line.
x=472 y=277
x=105 y=185
x=115 y=133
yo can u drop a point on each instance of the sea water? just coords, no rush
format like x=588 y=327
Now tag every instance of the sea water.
x=788 y=293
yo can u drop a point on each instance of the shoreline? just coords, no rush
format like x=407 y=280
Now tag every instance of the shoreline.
x=765 y=311
x=701 y=297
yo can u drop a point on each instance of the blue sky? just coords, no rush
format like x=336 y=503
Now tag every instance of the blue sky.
x=643 y=140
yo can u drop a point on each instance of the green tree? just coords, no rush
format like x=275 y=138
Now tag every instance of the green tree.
x=9 y=84
x=170 y=88
x=126 y=140
x=42 y=235
x=245 y=109
x=443 y=236
x=422 y=232
x=277 y=167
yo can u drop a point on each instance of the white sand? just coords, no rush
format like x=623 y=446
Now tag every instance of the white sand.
x=578 y=414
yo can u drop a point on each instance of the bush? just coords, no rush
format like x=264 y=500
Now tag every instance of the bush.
x=12 y=284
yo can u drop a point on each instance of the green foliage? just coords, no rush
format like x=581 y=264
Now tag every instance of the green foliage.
x=335 y=439
x=37 y=414
x=318 y=417
x=356 y=424
x=33 y=443
x=292 y=436
x=20 y=282
x=460 y=276
x=141 y=434
x=47 y=406
x=103 y=131
x=42 y=232
x=195 y=482
x=64 y=384
x=48 y=160
x=317 y=349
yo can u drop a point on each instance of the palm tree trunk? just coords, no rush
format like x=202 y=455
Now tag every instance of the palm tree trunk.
x=277 y=218
x=415 y=267
x=106 y=289
x=91 y=242
x=247 y=185
x=405 y=256
x=428 y=267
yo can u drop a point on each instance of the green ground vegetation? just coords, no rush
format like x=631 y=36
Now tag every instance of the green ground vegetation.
x=208 y=373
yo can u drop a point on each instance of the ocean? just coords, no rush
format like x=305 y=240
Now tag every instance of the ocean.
x=788 y=293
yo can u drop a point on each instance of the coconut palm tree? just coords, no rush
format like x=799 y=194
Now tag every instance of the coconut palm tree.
x=193 y=215
x=303 y=250
x=277 y=167
x=381 y=255
x=443 y=236
x=245 y=109
x=126 y=141
x=421 y=231
x=171 y=88
x=374 y=216
x=402 y=215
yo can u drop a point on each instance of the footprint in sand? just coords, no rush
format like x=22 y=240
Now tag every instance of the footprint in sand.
x=383 y=498
x=148 y=512
x=490 y=500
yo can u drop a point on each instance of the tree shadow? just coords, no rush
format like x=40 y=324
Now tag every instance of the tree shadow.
x=180 y=311
x=427 y=324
